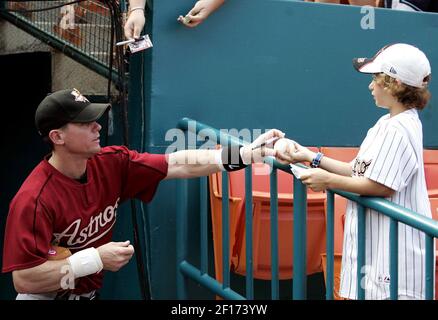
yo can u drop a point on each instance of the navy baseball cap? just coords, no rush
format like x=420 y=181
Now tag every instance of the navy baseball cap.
x=64 y=106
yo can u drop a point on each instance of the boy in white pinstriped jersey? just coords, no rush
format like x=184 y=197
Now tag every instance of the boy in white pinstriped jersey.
x=389 y=164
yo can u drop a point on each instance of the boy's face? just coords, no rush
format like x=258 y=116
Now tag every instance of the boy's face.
x=382 y=97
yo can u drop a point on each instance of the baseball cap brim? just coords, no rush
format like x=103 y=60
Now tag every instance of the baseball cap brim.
x=92 y=112
x=370 y=65
x=367 y=65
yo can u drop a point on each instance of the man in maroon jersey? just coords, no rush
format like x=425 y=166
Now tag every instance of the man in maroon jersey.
x=70 y=199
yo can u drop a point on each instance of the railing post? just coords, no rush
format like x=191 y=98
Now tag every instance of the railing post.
x=274 y=233
x=300 y=239
x=330 y=245
x=396 y=212
x=248 y=239
x=181 y=236
x=393 y=262
x=430 y=262
x=225 y=232
x=203 y=211
x=360 y=252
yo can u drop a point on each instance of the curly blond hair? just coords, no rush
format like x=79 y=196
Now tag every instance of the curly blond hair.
x=411 y=97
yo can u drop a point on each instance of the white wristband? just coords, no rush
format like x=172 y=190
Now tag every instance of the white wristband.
x=85 y=262
x=243 y=157
x=218 y=159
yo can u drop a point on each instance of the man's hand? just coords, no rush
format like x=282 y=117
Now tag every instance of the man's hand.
x=254 y=153
x=134 y=25
x=284 y=148
x=290 y=151
x=200 y=12
x=316 y=179
x=115 y=255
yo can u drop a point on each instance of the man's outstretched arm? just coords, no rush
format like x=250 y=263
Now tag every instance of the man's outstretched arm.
x=197 y=163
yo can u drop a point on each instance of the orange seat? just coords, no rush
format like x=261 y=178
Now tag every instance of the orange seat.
x=430 y=158
x=235 y=204
x=434 y=209
x=337 y=264
x=346 y=154
x=339 y=221
x=431 y=172
x=262 y=235
x=261 y=224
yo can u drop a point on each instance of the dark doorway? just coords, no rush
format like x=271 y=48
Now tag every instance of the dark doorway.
x=26 y=81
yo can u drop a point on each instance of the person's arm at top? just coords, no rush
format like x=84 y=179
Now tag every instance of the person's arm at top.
x=136 y=20
x=200 y=12
x=48 y=276
x=196 y=163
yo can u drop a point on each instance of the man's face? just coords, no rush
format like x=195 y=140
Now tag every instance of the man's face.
x=82 y=138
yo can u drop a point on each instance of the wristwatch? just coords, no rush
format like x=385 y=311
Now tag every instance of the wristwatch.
x=317 y=160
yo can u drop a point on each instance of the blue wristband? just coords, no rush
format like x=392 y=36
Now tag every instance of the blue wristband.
x=317 y=160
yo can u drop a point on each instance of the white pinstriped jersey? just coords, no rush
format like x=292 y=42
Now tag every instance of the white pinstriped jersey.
x=391 y=154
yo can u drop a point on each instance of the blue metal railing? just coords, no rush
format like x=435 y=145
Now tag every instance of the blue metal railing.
x=186 y=270
x=396 y=214
x=248 y=237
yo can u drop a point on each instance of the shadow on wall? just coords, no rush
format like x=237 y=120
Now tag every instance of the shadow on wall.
x=26 y=81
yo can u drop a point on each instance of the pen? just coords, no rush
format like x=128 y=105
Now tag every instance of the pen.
x=125 y=42
x=272 y=140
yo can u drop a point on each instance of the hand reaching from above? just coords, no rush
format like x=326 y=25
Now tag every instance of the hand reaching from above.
x=200 y=12
x=134 y=25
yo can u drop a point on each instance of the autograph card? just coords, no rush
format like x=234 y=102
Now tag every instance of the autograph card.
x=142 y=44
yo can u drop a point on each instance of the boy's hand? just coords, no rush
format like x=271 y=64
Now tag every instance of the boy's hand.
x=285 y=148
x=292 y=152
x=316 y=179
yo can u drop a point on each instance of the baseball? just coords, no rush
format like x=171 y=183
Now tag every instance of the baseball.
x=284 y=146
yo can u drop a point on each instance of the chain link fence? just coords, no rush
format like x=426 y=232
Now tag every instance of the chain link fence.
x=84 y=25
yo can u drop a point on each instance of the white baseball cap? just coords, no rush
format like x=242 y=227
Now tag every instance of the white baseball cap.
x=400 y=61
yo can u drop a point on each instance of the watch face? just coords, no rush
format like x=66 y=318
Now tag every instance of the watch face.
x=316 y=160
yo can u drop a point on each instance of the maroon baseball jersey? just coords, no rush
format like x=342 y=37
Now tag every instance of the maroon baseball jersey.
x=52 y=208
